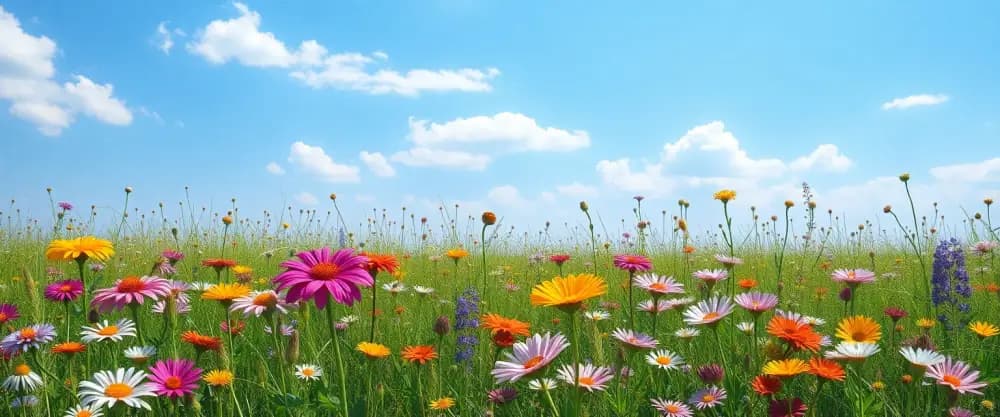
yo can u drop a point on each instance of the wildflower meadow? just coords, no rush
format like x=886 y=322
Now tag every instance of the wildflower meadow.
x=294 y=314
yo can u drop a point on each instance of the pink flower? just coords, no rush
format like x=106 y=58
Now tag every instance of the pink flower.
x=559 y=258
x=633 y=263
x=957 y=375
x=658 y=285
x=321 y=273
x=634 y=340
x=174 y=377
x=853 y=277
x=65 y=291
x=756 y=302
x=130 y=290
x=728 y=261
x=711 y=276
x=586 y=376
x=528 y=357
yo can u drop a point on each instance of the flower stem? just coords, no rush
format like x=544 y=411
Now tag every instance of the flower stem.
x=340 y=362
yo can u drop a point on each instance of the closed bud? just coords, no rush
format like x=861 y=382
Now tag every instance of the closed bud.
x=442 y=326
x=904 y=177
x=292 y=351
x=227 y=220
x=333 y=196
x=93 y=316
x=812 y=204
x=174 y=231
x=584 y=206
x=489 y=218
x=887 y=209
x=988 y=201
x=789 y=204
x=128 y=190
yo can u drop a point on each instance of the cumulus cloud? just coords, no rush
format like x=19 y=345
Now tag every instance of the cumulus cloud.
x=377 y=163
x=426 y=157
x=314 y=161
x=241 y=39
x=826 y=157
x=27 y=81
x=903 y=103
x=274 y=168
x=577 y=190
x=306 y=199
x=985 y=171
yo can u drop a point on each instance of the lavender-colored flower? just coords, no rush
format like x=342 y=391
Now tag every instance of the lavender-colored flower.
x=728 y=261
x=711 y=374
x=165 y=268
x=708 y=397
x=960 y=412
x=950 y=282
x=756 y=302
x=634 y=340
x=65 y=206
x=853 y=277
x=466 y=323
x=502 y=395
x=27 y=338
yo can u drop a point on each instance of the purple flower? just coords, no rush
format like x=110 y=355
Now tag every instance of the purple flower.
x=320 y=274
x=708 y=397
x=27 y=338
x=950 y=281
x=466 y=323
x=634 y=340
x=502 y=395
x=65 y=206
x=711 y=374
x=756 y=302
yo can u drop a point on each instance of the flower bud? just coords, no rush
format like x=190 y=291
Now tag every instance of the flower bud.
x=442 y=326
x=292 y=351
x=584 y=206
x=489 y=218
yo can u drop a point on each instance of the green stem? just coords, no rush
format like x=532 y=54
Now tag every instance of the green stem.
x=340 y=362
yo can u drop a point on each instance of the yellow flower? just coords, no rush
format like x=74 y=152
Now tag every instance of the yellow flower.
x=724 y=196
x=926 y=323
x=859 y=329
x=442 y=403
x=373 y=350
x=218 y=378
x=456 y=254
x=225 y=293
x=786 y=367
x=987 y=404
x=568 y=291
x=878 y=386
x=984 y=329
x=242 y=270
x=80 y=249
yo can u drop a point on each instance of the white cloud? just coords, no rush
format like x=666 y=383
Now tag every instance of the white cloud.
x=985 y=171
x=618 y=174
x=713 y=140
x=150 y=114
x=914 y=100
x=505 y=195
x=306 y=199
x=164 y=40
x=377 y=163
x=826 y=157
x=426 y=157
x=240 y=39
x=26 y=80
x=519 y=132
x=576 y=190
x=314 y=161
x=274 y=168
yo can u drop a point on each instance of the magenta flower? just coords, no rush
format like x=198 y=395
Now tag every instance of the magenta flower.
x=65 y=291
x=793 y=407
x=174 y=377
x=756 y=302
x=633 y=263
x=634 y=340
x=853 y=277
x=321 y=273
x=957 y=375
x=130 y=290
x=501 y=395
x=172 y=255
x=8 y=312
x=65 y=205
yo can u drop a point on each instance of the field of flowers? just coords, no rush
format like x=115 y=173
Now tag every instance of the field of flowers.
x=298 y=314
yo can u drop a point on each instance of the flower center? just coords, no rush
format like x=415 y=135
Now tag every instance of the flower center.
x=22 y=370
x=83 y=413
x=851 y=275
x=952 y=380
x=65 y=288
x=108 y=331
x=28 y=333
x=266 y=299
x=859 y=335
x=324 y=271
x=531 y=363
x=673 y=409
x=707 y=398
x=586 y=380
x=172 y=382
x=308 y=372
x=633 y=340
x=711 y=316
x=118 y=390
x=658 y=286
x=130 y=284
x=663 y=360
x=3 y=317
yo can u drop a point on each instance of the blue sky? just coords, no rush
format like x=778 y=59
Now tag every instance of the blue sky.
x=519 y=107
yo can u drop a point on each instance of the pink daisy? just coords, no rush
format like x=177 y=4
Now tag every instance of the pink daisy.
x=634 y=340
x=708 y=397
x=658 y=285
x=669 y=408
x=529 y=356
x=130 y=290
x=174 y=377
x=728 y=261
x=711 y=276
x=319 y=274
x=654 y=307
x=756 y=302
x=633 y=263
x=708 y=311
x=853 y=277
x=588 y=376
x=64 y=291
x=259 y=303
x=957 y=375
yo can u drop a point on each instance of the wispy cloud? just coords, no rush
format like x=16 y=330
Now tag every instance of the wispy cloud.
x=903 y=103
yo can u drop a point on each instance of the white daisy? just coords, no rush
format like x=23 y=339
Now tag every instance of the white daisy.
x=307 y=372
x=921 y=358
x=106 y=331
x=543 y=384
x=813 y=321
x=687 y=333
x=597 y=315
x=394 y=287
x=201 y=286
x=745 y=326
x=852 y=351
x=24 y=379
x=664 y=359
x=348 y=319
x=140 y=354
x=423 y=290
x=108 y=388
x=84 y=411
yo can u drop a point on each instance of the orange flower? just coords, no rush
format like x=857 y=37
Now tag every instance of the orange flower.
x=688 y=249
x=456 y=254
x=496 y=323
x=69 y=348
x=379 y=262
x=826 y=369
x=419 y=353
x=748 y=283
x=201 y=342
x=399 y=310
x=218 y=263
x=797 y=334
x=766 y=385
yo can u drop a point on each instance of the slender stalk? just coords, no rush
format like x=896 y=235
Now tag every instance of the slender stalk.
x=371 y=333
x=340 y=362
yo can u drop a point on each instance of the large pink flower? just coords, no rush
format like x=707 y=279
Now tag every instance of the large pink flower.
x=130 y=290
x=174 y=377
x=321 y=273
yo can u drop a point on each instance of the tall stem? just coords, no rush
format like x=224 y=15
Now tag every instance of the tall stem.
x=371 y=335
x=340 y=362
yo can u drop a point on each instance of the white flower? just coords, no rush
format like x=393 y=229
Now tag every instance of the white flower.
x=139 y=354
x=664 y=359
x=106 y=331
x=597 y=315
x=423 y=290
x=543 y=384
x=394 y=287
x=348 y=319
x=108 y=388
x=852 y=351
x=84 y=411
x=687 y=333
x=25 y=401
x=307 y=372
x=921 y=357
x=745 y=327
x=24 y=379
